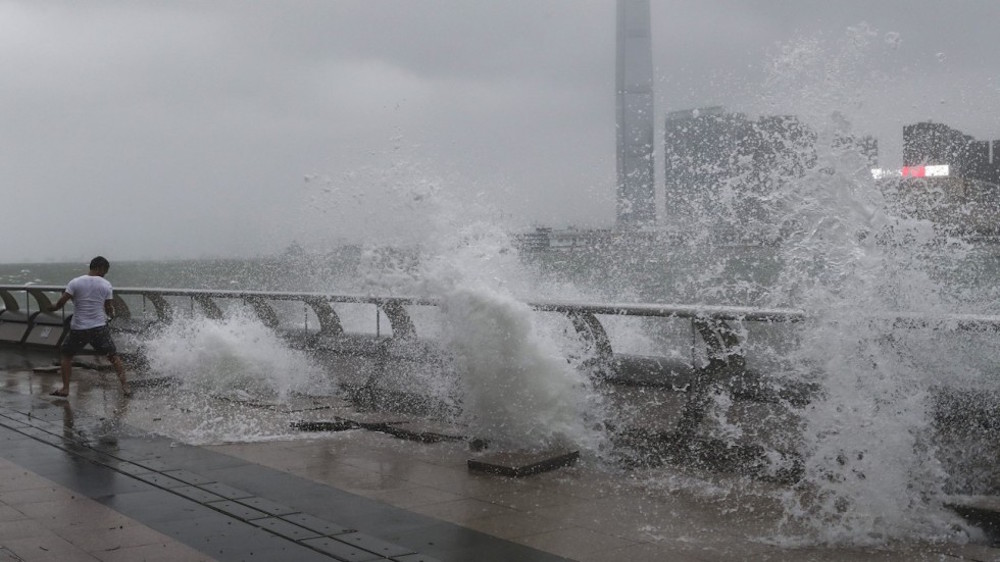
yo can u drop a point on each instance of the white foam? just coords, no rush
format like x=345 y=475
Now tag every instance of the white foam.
x=872 y=474
x=234 y=355
x=515 y=383
x=519 y=390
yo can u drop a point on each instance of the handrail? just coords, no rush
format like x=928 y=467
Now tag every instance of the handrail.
x=718 y=312
x=676 y=310
x=9 y=302
x=723 y=346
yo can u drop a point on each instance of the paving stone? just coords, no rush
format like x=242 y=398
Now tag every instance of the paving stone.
x=267 y=506
x=313 y=523
x=341 y=551
x=225 y=491
x=159 y=479
x=238 y=510
x=414 y=558
x=372 y=544
x=518 y=464
x=49 y=414
x=284 y=528
x=127 y=467
x=153 y=464
x=19 y=416
x=127 y=454
x=188 y=476
x=197 y=494
x=425 y=432
x=95 y=456
x=40 y=434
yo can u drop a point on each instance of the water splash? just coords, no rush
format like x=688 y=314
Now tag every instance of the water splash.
x=519 y=390
x=872 y=473
x=237 y=357
x=515 y=385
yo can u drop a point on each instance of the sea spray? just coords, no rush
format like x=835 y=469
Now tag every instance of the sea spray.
x=870 y=470
x=519 y=386
x=518 y=390
x=234 y=373
x=847 y=256
x=515 y=370
x=235 y=355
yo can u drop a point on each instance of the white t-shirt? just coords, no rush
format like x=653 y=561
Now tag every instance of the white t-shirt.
x=89 y=293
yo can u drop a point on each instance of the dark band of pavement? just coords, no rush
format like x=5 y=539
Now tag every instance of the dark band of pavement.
x=226 y=507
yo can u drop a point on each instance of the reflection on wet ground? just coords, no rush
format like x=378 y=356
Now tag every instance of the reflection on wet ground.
x=359 y=494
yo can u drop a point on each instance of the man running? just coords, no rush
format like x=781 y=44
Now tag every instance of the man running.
x=92 y=306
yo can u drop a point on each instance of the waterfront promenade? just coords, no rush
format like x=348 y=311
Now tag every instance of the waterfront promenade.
x=78 y=482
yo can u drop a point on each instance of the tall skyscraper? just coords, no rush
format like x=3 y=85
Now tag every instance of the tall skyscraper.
x=636 y=201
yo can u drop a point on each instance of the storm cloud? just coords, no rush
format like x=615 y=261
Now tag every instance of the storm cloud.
x=182 y=129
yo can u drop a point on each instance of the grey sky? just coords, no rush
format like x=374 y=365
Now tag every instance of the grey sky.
x=189 y=128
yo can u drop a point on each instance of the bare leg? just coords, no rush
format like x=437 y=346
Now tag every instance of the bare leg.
x=66 y=370
x=120 y=371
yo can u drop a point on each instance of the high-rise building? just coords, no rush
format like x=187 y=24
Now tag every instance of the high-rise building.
x=934 y=143
x=948 y=178
x=636 y=186
x=723 y=169
x=700 y=151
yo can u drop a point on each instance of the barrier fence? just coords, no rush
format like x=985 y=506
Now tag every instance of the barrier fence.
x=26 y=320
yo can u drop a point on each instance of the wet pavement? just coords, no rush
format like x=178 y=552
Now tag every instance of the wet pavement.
x=91 y=478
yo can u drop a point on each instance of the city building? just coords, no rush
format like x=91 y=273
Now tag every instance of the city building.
x=636 y=184
x=968 y=158
x=723 y=170
x=948 y=178
x=700 y=150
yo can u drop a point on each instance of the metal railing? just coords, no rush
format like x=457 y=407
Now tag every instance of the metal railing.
x=709 y=321
x=720 y=327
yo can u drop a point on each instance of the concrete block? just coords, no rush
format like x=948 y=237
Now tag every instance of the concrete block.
x=425 y=431
x=523 y=463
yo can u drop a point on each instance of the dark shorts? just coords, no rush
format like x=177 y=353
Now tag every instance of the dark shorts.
x=99 y=338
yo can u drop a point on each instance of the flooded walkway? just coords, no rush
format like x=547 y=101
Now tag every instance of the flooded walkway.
x=80 y=483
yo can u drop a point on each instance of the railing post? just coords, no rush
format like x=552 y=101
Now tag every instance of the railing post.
x=399 y=319
x=725 y=360
x=596 y=342
x=164 y=311
x=121 y=308
x=208 y=306
x=264 y=311
x=41 y=298
x=329 y=322
x=9 y=302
